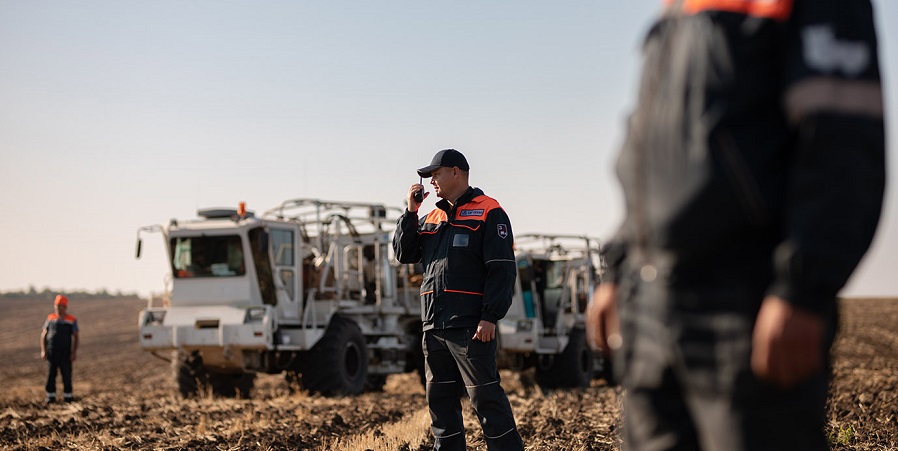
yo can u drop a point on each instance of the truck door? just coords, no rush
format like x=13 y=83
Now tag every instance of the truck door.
x=288 y=289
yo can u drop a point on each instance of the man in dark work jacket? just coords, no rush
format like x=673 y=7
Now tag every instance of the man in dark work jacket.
x=466 y=247
x=753 y=173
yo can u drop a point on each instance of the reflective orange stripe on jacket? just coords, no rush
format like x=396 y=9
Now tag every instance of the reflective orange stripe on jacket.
x=54 y=317
x=771 y=9
x=435 y=217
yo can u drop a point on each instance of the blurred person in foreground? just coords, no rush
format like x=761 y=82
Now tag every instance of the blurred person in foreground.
x=59 y=347
x=753 y=174
x=466 y=247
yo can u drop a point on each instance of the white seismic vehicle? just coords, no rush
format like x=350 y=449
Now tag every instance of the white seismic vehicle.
x=309 y=288
x=545 y=326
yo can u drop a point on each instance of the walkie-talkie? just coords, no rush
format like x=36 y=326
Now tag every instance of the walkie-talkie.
x=419 y=195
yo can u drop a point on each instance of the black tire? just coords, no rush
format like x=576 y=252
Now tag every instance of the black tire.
x=573 y=368
x=190 y=373
x=605 y=370
x=338 y=363
x=232 y=385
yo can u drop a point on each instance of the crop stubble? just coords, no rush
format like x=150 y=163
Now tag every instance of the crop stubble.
x=126 y=398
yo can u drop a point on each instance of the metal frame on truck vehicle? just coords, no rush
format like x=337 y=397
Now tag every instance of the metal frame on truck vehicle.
x=545 y=326
x=310 y=288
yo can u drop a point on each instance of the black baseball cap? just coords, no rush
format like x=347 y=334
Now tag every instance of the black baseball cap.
x=446 y=158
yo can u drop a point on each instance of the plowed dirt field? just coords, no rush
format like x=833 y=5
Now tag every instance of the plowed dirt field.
x=126 y=398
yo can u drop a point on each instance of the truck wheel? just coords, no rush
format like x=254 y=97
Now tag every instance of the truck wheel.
x=190 y=373
x=232 y=385
x=606 y=370
x=245 y=385
x=572 y=368
x=338 y=363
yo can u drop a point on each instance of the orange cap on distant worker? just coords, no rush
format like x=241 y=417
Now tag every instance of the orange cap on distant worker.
x=61 y=300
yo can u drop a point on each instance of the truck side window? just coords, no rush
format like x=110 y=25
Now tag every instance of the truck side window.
x=258 y=240
x=284 y=258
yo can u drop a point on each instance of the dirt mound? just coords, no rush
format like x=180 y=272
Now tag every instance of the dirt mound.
x=126 y=398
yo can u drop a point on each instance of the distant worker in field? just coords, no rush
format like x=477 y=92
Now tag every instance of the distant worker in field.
x=753 y=174
x=59 y=347
x=465 y=245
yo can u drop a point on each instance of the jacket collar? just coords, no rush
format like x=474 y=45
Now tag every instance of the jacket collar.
x=470 y=194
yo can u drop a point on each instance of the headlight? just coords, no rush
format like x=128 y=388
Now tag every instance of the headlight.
x=524 y=325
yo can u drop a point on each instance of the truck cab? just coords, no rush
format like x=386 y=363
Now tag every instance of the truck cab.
x=269 y=294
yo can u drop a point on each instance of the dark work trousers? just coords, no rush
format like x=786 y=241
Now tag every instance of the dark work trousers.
x=62 y=363
x=455 y=363
x=685 y=366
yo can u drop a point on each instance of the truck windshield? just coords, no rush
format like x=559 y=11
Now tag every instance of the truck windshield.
x=207 y=256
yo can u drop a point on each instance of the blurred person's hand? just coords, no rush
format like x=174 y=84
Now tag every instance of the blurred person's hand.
x=602 y=324
x=787 y=344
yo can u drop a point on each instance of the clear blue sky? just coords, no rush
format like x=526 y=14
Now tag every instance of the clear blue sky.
x=115 y=115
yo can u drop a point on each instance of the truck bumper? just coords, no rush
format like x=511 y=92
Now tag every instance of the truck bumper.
x=194 y=329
